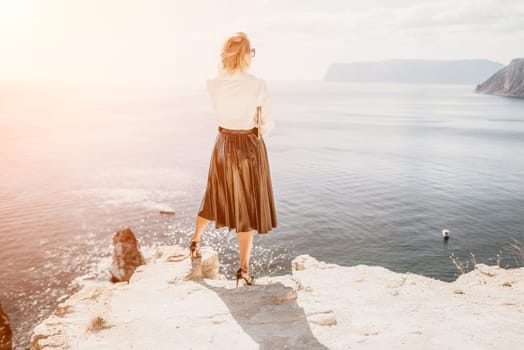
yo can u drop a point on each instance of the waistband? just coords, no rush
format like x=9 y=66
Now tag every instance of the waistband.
x=237 y=131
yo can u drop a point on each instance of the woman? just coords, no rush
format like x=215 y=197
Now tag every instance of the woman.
x=239 y=193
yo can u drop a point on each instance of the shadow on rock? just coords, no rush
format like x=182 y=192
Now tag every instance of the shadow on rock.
x=269 y=314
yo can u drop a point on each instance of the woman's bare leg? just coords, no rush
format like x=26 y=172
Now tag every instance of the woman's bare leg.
x=200 y=225
x=245 y=242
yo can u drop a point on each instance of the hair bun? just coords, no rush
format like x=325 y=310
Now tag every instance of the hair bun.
x=234 y=52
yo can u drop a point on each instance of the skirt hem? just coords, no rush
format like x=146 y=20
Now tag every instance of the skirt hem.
x=219 y=225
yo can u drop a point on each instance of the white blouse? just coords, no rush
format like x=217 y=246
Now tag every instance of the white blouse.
x=235 y=98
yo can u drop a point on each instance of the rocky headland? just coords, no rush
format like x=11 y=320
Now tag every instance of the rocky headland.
x=173 y=303
x=509 y=81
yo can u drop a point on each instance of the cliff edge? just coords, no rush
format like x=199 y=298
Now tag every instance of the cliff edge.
x=171 y=302
x=509 y=81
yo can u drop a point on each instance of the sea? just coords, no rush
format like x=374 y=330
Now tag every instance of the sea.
x=362 y=173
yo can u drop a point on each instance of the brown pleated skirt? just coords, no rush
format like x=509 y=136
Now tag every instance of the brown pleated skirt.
x=239 y=193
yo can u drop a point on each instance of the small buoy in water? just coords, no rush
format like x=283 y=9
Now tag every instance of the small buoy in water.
x=445 y=234
x=169 y=212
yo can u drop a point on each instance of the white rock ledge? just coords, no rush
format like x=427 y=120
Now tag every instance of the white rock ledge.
x=169 y=304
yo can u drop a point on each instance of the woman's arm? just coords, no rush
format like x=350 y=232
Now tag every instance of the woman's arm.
x=266 y=123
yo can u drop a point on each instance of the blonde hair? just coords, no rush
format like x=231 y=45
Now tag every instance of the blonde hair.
x=236 y=53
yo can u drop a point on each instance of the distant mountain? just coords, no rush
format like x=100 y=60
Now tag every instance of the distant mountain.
x=414 y=71
x=509 y=81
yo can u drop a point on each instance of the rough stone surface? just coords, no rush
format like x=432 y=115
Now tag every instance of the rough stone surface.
x=126 y=256
x=509 y=81
x=6 y=336
x=170 y=303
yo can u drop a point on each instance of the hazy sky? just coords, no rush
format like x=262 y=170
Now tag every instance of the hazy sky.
x=163 y=41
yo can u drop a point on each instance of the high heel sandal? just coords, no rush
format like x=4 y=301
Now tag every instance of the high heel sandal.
x=249 y=280
x=194 y=250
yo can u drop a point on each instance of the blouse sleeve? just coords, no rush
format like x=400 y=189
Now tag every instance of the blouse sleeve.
x=267 y=123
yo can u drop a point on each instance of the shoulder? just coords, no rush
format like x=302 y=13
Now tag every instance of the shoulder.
x=249 y=81
x=212 y=79
x=250 y=76
x=212 y=83
x=260 y=80
x=253 y=78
